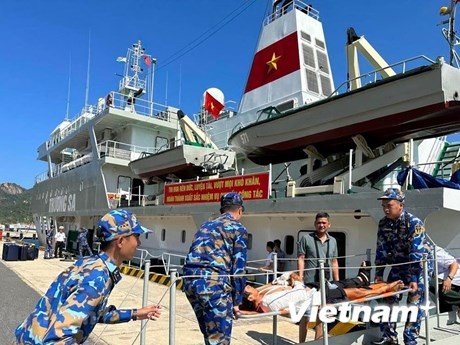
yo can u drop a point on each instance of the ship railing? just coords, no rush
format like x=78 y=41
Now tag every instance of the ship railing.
x=140 y=106
x=42 y=177
x=173 y=261
x=374 y=76
x=165 y=261
x=286 y=8
x=122 y=198
x=131 y=82
x=116 y=149
x=86 y=114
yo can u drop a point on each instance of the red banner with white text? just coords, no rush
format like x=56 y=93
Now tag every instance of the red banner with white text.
x=251 y=187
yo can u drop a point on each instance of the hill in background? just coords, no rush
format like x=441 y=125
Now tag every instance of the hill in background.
x=14 y=204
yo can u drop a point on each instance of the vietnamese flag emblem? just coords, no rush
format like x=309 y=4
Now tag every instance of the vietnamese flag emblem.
x=212 y=105
x=273 y=62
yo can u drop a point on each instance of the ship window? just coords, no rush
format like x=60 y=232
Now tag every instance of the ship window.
x=161 y=144
x=312 y=81
x=341 y=245
x=325 y=85
x=163 y=235
x=319 y=43
x=285 y=106
x=183 y=235
x=249 y=241
x=305 y=36
x=322 y=62
x=308 y=56
x=289 y=244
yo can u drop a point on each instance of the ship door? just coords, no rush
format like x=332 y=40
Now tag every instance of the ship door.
x=137 y=191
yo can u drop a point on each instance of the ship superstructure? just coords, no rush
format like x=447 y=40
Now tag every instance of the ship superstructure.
x=88 y=156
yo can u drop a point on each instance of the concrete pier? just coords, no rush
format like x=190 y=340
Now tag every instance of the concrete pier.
x=23 y=282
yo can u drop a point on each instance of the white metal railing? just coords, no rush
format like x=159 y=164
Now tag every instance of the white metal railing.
x=374 y=76
x=108 y=148
x=116 y=199
x=139 y=106
x=286 y=8
x=117 y=100
x=115 y=149
x=169 y=260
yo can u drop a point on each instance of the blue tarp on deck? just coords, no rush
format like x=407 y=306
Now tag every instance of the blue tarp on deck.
x=421 y=180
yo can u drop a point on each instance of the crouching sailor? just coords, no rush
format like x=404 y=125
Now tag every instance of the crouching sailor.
x=77 y=299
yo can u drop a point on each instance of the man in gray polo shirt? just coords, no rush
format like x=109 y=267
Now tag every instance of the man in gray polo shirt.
x=318 y=244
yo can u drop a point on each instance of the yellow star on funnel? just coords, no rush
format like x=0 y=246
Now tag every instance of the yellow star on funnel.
x=273 y=63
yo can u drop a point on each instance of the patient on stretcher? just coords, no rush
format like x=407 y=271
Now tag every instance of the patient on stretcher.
x=289 y=289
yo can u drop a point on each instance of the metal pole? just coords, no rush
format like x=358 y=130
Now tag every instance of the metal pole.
x=436 y=285
x=411 y=162
x=270 y=186
x=172 y=307
x=368 y=254
x=145 y=299
x=350 y=169
x=275 y=318
x=322 y=284
x=427 y=299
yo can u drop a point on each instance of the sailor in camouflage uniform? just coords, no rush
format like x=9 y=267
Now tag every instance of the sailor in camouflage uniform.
x=49 y=233
x=83 y=245
x=77 y=299
x=401 y=238
x=218 y=250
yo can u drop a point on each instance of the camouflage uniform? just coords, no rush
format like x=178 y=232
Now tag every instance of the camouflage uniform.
x=402 y=241
x=83 y=242
x=218 y=249
x=77 y=299
x=49 y=233
x=74 y=303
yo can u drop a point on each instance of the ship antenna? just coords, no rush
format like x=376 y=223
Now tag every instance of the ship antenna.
x=87 y=70
x=166 y=88
x=180 y=83
x=449 y=32
x=68 y=88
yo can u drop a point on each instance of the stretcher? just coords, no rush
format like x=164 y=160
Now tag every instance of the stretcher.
x=355 y=301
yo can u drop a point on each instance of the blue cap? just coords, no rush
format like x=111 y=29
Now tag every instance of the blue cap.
x=120 y=223
x=393 y=194
x=231 y=199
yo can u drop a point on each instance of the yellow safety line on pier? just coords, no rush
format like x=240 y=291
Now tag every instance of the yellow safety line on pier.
x=153 y=277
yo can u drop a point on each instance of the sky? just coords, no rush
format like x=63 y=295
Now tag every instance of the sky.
x=40 y=39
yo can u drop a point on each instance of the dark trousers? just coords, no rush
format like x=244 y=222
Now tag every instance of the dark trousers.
x=58 y=247
x=449 y=299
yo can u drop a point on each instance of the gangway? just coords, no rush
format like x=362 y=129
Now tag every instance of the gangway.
x=448 y=157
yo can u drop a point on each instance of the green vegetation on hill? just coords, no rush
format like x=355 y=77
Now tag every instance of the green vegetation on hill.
x=14 y=204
